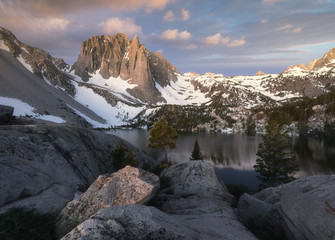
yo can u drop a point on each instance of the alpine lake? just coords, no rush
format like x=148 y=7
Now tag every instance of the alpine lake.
x=235 y=155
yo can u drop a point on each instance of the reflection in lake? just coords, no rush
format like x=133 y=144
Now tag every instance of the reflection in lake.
x=235 y=155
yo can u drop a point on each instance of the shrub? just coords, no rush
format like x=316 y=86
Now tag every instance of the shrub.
x=123 y=156
x=18 y=224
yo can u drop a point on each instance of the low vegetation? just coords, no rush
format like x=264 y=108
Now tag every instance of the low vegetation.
x=123 y=156
x=20 y=224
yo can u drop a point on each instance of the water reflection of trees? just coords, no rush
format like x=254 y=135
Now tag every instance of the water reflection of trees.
x=315 y=155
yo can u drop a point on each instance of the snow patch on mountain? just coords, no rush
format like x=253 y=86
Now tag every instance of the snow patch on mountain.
x=25 y=64
x=3 y=46
x=182 y=92
x=114 y=115
x=24 y=109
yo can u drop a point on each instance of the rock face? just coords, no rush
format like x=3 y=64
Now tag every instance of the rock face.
x=43 y=165
x=194 y=215
x=6 y=114
x=195 y=178
x=127 y=186
x=41 y=63
x=263 y=218
x=116 y=55
x=306 y=206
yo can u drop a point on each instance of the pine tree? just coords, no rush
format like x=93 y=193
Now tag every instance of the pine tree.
x=161 y=135
x=196 y=153
x=123 y=156
x=276 y=162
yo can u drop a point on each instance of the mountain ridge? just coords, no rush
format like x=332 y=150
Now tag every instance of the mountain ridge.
x=125 y=83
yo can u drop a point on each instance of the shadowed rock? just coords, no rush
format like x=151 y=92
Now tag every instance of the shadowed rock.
x=6 y=114
x=43 y=165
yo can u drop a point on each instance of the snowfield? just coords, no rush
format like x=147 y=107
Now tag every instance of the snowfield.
x=24 y=109
x=3 y=46
x=114 y=116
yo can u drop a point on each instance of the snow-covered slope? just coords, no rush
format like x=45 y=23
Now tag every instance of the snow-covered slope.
x=106 y=100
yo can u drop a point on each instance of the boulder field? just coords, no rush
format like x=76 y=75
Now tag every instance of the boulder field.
x=189 y=205
x=46 y=167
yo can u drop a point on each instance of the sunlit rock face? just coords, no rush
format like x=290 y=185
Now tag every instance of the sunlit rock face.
x=127 y=186
x=117 y=55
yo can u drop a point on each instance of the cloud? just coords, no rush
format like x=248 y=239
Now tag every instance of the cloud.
x=272 y=1
x=264 y=21
x=190 y=47
x=219 y=40
x=169 y=16
x=297 y=30
x=185 y=14
x=237 y=43
x=289 y=28
x=117 y=25
x=60 y=7
x=174 y=34
x=285 y=27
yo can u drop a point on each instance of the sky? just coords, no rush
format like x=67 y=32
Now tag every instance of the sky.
x=231 y=37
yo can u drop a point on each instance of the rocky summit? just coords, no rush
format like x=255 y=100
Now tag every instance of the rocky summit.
x=114 y=56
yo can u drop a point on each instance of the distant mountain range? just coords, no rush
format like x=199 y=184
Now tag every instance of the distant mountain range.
x=117 y=81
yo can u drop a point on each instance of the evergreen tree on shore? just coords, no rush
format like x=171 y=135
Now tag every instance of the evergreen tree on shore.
x=161 y=135
x=275 y=161
x=196 y=153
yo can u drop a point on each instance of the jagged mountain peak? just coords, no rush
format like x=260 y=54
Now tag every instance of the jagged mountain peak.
x=328 y=60
x=117 y=55
x=260 y=73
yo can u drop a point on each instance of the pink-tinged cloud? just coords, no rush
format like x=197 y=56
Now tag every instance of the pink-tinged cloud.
x=186 y=14
x=297 y=30
x=289 y=28
x=237 y=43
x=174 y=34
x=60 y=7
x=169 y=16
x=272 y=1
x=219 y=40
x=117 y=25
x=285 y=27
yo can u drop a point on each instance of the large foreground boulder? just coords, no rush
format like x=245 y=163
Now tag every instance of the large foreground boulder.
x=145 y=223
x=6 y=114
x=42 y=166
x=193 y=178
x=127 y=186
x=306 y=207
x=189 y=205
x=263 y=218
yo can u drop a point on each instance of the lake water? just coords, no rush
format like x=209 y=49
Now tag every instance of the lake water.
x=235 y=155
